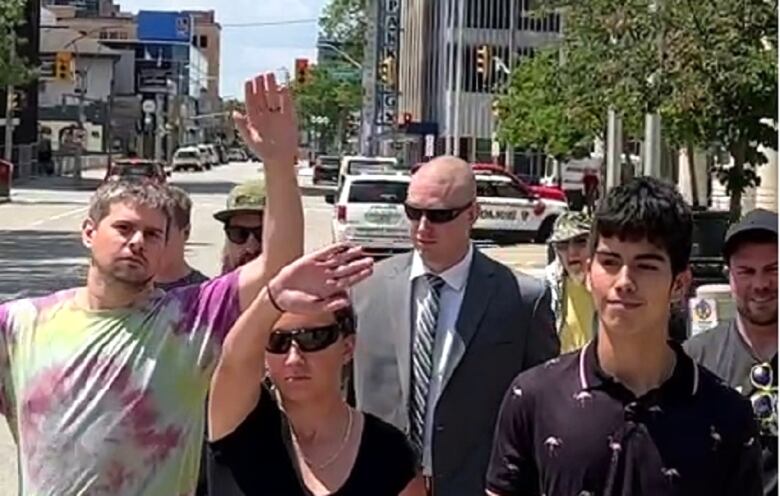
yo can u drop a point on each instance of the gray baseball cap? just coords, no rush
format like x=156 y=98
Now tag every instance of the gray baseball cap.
x=754 y=221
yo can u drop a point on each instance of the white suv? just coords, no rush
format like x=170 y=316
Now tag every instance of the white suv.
x=369 y=211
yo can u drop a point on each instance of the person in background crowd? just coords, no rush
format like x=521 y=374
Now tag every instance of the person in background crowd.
x=174 y=271
x=242 y=221
x=630 y=413
x=743 y=350
x=572 y=303
x=443 y=330
x=301 y=438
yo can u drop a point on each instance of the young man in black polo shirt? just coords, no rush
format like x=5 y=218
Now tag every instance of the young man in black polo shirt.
x=630 y=413
x=743 y=350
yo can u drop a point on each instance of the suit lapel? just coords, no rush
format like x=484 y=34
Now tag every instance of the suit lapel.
x=399 y=298
x=479 y=290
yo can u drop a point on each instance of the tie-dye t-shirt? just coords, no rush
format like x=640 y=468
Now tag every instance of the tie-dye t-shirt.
x=111 y=402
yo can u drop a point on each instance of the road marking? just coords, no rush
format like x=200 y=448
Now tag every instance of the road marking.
x=62 y=215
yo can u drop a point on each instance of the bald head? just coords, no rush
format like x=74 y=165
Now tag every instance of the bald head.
x=451 y=176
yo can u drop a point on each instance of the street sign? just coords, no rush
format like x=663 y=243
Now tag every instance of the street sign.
x=149 y=106
x=430 y=145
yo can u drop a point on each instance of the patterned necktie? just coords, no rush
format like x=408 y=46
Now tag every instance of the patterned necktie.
x=422 y=359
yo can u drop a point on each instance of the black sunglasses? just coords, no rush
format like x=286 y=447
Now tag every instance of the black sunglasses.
x=239 y=235
x=435 y=215
x=764 y=400
x=308 y=340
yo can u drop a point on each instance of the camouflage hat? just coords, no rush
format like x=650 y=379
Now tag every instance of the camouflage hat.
x=247 y=198
x=569 y=225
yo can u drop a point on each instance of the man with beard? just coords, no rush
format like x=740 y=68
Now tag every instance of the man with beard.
x=103 y=386
x=242 y=221
x=175 y=272
x=743 y=351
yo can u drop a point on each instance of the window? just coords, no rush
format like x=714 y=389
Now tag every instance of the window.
x=194 y=40
x=393 y=192
x=204 y=41
x=499 y=189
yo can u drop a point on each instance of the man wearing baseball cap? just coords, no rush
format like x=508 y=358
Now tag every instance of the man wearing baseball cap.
x=242 y=221
x=572 y=303
x=743 y=351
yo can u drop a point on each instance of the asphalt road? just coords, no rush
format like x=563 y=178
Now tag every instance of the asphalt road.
x=41 y=250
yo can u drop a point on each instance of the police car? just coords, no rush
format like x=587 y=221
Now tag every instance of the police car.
x=510 y=213
x=369 y=211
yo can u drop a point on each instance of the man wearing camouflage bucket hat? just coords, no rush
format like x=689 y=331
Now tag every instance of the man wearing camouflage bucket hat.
x=571 y=301
x=242 y=221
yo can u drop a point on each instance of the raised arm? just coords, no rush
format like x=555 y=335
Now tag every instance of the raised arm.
x=270 y=129
x=313 y=284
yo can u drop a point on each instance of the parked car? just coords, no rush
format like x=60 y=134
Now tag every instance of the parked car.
x=137 y=168
x=369 y=211
x=209 y=154
x=236 y=155
x=326 y=169
x=188 y=158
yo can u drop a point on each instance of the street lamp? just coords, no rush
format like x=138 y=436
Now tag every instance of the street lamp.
x=344 y=55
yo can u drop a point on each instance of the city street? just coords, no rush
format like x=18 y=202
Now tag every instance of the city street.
x=41 y=250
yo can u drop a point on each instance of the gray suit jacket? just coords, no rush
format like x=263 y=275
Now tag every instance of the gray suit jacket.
x=505 y=326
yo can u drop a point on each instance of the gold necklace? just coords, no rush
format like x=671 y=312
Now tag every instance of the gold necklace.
x=335 y=455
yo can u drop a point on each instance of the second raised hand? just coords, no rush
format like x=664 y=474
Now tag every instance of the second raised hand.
x=269 y=127
x=318 y=282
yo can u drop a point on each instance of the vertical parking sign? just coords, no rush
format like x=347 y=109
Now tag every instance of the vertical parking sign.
x=387 y=63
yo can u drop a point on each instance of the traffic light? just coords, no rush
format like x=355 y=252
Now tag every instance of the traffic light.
x=483 y=59
x=387 y=71
x=406 y=119
x=63 y=66
x=18 y=100
x=301 y=71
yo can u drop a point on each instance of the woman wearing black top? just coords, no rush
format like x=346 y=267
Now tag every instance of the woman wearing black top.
x=302 y=439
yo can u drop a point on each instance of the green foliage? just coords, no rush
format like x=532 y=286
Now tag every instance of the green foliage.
x=14 y=69
x=323 y=95
x=534 y=113
x=709 y=68
x=345 y=22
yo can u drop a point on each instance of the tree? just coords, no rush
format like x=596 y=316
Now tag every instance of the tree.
x=533 y=114
x=14 y=69
x=324 y=95
x=724 y=82
x=709 y=68
x=345 y=22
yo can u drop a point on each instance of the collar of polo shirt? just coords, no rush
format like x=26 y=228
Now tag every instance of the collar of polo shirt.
x=684 y=382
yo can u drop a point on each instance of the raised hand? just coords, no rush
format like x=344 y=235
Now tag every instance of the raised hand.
x=318 y=282
x=269 y=127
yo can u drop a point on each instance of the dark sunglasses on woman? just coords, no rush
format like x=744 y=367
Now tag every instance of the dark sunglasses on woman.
x=435 y=215
x=308 y=340
x=764 y=400
x=239 y=234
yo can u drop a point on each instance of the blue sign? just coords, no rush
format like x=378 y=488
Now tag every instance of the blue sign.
x=164 y=26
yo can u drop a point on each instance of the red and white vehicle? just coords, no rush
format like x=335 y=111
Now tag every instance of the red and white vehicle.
x=512 y=213
x=550 y=192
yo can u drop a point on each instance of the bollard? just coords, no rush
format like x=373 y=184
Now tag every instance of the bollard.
x=6 y=172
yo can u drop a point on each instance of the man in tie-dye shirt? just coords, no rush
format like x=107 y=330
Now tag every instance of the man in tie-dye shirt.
x=103 y=386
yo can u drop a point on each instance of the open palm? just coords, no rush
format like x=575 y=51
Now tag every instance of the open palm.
x=269 y=127
x=318 y=282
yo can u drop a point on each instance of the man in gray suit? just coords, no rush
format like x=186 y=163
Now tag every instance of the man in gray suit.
x=442 y=332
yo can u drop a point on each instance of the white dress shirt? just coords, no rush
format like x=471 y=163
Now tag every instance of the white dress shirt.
x=455 y=279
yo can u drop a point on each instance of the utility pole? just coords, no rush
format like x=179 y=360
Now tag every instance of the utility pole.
x=81 y=88
x=652 y=155
x=9 y=111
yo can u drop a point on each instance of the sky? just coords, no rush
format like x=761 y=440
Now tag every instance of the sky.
x=247 y=51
